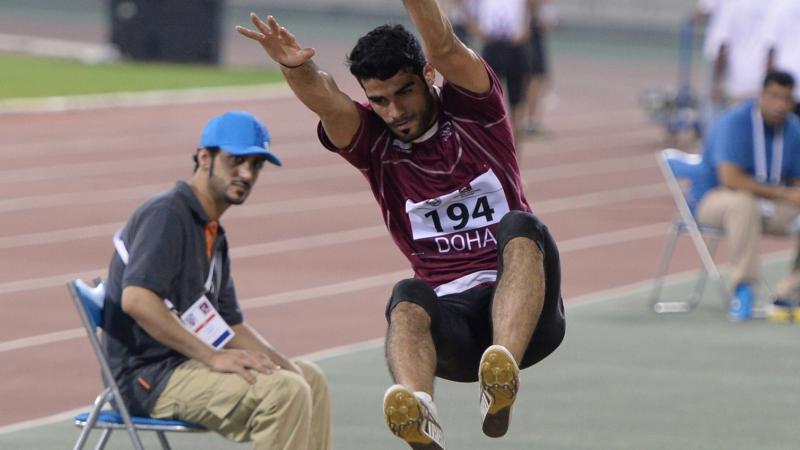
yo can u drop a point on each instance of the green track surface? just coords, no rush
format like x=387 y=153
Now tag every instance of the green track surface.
x=26 y=76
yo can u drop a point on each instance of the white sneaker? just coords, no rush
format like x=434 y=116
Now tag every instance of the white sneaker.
x=498 y=376
x=412 y=418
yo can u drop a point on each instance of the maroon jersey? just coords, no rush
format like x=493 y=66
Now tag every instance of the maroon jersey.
x=443 y=195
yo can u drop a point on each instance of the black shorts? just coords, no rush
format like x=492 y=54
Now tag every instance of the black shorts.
x=461 y=324
x=511 y=62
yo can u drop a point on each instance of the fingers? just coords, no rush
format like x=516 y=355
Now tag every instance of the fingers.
x=273 y=24
x=246 y=32
x=261 y=363
x=262 y=27
x=244 y=373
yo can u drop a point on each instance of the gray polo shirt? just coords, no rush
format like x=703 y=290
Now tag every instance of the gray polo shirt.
x=166 y=244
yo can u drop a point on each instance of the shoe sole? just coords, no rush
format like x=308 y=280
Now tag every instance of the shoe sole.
x=406 y=420
x=499 y=381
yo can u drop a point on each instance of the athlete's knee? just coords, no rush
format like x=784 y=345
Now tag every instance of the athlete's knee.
x=516 y=224
x=412 y=299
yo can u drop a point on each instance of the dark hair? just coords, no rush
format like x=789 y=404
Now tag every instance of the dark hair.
x=780 y=78
x=211 y=150
x=385 y=51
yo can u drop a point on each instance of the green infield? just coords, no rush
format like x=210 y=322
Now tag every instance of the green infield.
x=27 y=76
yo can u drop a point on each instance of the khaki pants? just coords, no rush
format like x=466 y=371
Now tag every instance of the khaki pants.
x=739 y=214
x=280 y=411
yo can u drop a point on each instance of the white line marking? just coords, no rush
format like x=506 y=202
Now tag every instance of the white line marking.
x=343 y=350
x=41 y=339
x=255 y=210
x=58 y=417
x=567 y=246
x=344 y=287
x=366 y=233
x=286 y=175
x=189 y=96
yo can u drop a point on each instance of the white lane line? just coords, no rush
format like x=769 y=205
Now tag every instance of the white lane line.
x=614 y=237
x=584 y=168
x=365 y=233
x=80 y=198
x=149 y=141
x=45 y=282
x=149 y=164
x=42 y=339
x=306 y=242
x=343 y=287
x=190 y=96
x=344 y=350
x=601 y=198
x=567 y=246
x=55 y=418
x=255 y=210
x=605 y=166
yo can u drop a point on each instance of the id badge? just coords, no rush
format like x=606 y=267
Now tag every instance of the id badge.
x=204 y=321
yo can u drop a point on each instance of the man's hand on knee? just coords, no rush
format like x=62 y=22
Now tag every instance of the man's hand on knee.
x=241 y=362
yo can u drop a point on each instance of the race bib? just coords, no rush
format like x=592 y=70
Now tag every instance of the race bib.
x=204 y=321
x=480 y=204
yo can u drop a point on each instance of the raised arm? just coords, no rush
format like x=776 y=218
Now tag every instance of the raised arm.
x=449 y=56
x=314 y=87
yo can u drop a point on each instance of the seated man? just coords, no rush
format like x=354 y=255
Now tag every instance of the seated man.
x=177 y=343
x=752 y=165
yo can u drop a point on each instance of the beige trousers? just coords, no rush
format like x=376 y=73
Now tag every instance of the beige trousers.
x=282 y=410
x=739 y=214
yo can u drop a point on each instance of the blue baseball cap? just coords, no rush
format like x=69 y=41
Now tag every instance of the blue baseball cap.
x=239 y=133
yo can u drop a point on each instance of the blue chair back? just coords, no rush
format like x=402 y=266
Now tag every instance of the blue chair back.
x=681 y=166
x=684 y=165
x=91 y=299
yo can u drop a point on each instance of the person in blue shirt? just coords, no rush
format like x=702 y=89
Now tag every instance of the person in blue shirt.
x=749 y=186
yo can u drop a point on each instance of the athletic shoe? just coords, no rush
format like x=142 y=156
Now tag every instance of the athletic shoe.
x=412 y=418
x=741 y=307
x=783 y=311
x=498 y=377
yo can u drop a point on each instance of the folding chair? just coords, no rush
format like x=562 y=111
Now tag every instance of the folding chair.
x=89 y=302
x=676 y=165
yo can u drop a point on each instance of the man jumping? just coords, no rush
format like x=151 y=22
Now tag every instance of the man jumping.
x=485 y=299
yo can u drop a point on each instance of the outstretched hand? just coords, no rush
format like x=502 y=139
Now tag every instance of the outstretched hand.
x=279 y=43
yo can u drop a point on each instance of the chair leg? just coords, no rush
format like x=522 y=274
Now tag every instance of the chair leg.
x=101 y=444
x=663 y=266
x=162 y=438
x=99 y=402
x=699 y=287
x=82 y=438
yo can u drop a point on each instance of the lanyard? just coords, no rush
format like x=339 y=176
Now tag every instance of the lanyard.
x=214 y=269
x=760 y=150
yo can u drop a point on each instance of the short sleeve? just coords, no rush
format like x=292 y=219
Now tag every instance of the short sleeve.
x=485 y=108
x=154 y=241
x=369 y=132
x=792 y=147
x=733 y=142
